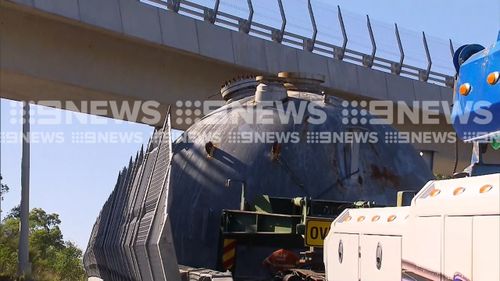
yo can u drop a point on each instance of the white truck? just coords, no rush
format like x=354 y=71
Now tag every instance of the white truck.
x=449 y=232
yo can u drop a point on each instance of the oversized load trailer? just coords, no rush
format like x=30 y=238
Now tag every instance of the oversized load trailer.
x=168 y=205
x=169 y=211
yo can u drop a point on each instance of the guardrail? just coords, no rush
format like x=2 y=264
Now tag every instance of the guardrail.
x=340 y=50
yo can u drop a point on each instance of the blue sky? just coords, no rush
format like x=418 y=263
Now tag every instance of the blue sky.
x=74 y=179
x=462 y=20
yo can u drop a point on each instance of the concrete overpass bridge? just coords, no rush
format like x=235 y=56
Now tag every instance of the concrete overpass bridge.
x=126 y=50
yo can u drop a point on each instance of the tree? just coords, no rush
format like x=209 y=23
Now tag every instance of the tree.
x=9 y=238
x=68 y=262
x=52 y=258
x=15 y=213
x=3 y=189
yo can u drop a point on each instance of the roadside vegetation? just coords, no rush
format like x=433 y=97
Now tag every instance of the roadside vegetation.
x=52 y=258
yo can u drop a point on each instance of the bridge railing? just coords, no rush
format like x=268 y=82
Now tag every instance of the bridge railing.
x=319 y=27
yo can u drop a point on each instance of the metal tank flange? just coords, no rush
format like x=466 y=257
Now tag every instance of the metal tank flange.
x=303 y=82
x=270 y=89
x=238 y=88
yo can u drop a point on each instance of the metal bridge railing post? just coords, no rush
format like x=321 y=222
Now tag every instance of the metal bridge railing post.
x=396 y=67
x=210 y=15
x=174 y=5
x=368 y=59
x=309 y=43
x=339 y=52
x=277 y=35
x=423 y=75
x=450 y=80
x=452 y=49
x=246 y=25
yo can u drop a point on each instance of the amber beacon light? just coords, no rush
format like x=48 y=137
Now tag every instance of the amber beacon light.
x=493 y=78
x=465 y=89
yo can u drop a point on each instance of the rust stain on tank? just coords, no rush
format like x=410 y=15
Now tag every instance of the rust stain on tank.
x=384 y=174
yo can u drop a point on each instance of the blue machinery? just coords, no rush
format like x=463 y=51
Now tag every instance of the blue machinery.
x=476 y=106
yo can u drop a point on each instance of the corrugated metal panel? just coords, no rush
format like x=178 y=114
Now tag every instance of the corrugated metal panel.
x=89 y=259
x=110 y=246
x=127 y=224
x=157 y=179
x=160 y=214
x=125 y=243
x=147 y=220
x=124 y=264
x=155 y=185
x=106 y=256
x=117 y=265
x=102 y=233
x=144 y=177
x=142 y=265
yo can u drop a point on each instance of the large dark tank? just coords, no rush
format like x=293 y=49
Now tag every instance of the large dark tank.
x=322 y=152
x=331 y=170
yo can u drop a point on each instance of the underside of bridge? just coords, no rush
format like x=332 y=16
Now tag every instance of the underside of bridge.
x=44 y=56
